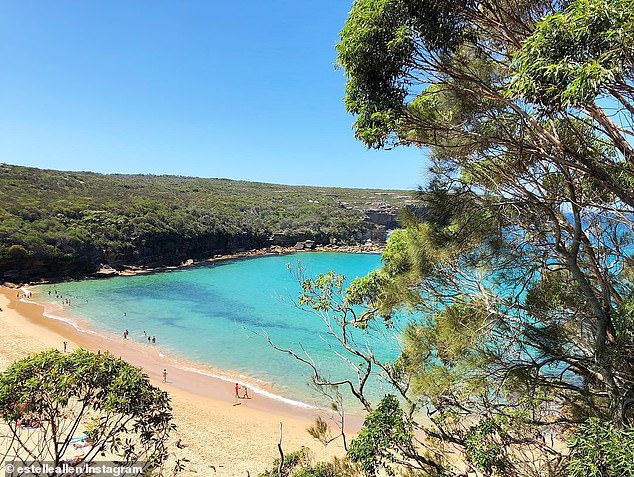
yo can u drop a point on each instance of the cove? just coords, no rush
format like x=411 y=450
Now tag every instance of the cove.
x=219 y=315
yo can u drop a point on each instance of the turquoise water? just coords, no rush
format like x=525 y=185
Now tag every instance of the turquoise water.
x=218 y=314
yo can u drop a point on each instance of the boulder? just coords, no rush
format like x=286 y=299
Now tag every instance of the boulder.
x=305 y=245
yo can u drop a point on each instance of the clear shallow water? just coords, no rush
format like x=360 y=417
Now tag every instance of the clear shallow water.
x=216 y=315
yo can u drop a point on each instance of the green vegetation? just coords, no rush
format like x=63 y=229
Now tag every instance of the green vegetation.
x=521 y=272
x=300 y=464
x=56 y=223
x=103 y=403
x=380 y=440
x=598 y=449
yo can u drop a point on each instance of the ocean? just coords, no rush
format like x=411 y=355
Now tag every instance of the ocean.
x=221 y=315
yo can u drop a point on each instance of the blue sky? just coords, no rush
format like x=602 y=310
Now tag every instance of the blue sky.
x=242 y=89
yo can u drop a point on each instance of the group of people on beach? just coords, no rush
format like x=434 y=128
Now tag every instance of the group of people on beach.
x=150 y=339
x=65 y=300
x=24 y=294
x=29 y=423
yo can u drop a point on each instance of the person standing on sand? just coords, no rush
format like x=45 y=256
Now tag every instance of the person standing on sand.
x=164 y=375
x=65 y=344
x=237 y=389
x=246 y=393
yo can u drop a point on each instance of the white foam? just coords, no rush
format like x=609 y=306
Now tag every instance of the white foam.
x=70 y=322
x=48 y=313
x=256 y=389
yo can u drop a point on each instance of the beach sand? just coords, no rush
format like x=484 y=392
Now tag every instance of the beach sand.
x=233 y=439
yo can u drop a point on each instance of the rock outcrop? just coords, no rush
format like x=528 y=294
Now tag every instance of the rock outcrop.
x=305 y=245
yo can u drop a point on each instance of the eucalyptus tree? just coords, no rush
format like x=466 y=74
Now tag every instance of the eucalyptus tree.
x=520 y=267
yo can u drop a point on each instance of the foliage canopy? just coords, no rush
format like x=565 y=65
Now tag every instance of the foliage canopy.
x=520 y=270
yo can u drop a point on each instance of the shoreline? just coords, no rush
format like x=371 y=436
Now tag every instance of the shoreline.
x=82 y=331
x=185 y=374
x=25 y=322
x=107 y=271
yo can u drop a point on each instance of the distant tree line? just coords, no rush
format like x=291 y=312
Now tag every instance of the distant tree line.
x=55 y=223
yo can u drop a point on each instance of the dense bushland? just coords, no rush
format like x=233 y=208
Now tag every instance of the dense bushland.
x=55 y=223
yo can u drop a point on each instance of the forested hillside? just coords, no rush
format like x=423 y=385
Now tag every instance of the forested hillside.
x=55 y=223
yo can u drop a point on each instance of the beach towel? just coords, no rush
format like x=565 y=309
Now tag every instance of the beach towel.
x=79 y=439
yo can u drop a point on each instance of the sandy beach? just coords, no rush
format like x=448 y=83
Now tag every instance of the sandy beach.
x=234 y=439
